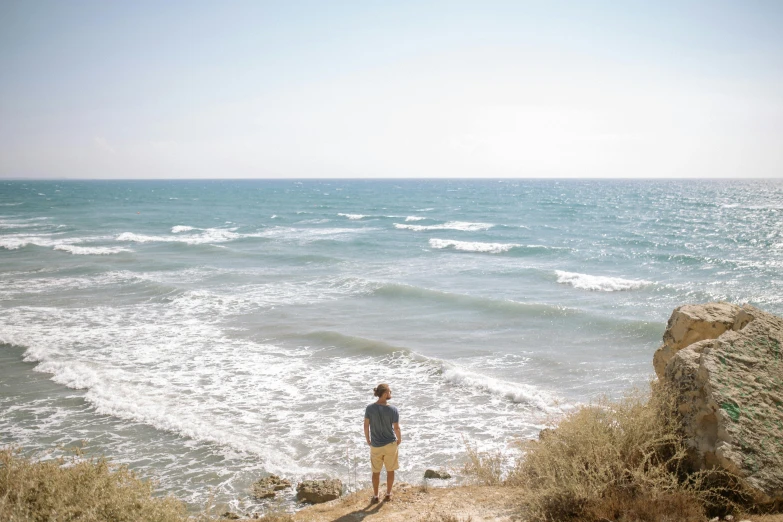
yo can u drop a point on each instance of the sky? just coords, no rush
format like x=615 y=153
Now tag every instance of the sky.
x=365 y=89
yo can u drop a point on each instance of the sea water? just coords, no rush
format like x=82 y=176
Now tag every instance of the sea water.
x=208 y=333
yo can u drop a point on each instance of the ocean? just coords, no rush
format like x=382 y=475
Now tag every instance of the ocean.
x=208 y=333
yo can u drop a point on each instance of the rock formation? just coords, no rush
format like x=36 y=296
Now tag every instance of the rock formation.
x=436 y=474
x=725 y=364
x=318 y=491
x=268 y=486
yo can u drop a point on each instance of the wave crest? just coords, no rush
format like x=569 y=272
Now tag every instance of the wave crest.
x=473 y=246
x=450 y=225
x=599 y=283
x=209 y=235
x=181 y=228
x=86 y=251
x=514 y=392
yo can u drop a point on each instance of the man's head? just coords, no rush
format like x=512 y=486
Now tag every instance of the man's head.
x=383 y=392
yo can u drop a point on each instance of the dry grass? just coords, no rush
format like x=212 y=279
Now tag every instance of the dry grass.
x=622 y=461
x=76 y=489
x=444 y=518
x=485 y=468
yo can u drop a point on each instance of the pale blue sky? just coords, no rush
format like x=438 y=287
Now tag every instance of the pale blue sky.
x=112 y=89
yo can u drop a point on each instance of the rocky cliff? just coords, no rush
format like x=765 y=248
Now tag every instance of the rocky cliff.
x=725 y=364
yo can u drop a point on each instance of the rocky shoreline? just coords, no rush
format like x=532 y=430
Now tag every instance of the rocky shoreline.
x=724 y=363
x=708 y=440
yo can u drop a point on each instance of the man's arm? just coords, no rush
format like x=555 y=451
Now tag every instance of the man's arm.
x=367 y=431
x=397 y=432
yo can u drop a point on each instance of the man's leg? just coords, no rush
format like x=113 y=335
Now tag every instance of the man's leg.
x=376 y=481
x=389 y=482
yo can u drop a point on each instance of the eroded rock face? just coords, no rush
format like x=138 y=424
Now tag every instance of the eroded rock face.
x=318 y=491
x=691 y=323
x=730 y=389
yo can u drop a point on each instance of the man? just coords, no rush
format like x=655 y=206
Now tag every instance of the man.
x=382 y=432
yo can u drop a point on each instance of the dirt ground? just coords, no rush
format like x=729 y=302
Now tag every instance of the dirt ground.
x=453 y=504
x=420 y=504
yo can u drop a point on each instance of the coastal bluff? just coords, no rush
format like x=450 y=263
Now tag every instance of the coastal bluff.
x=725 y=365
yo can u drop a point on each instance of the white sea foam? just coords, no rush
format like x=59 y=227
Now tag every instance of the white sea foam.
x=12 y=222
x=245 y=298
x=353 y=216
x=171 y=366
x=415 y=218
x=181 y=228
x=473 y=246
x=57 y=284
x=518 y=393
x=599 y=283
x=209 y=235
x=305 y=235
x=86 y=251
x=451 y=225
x=17 y=241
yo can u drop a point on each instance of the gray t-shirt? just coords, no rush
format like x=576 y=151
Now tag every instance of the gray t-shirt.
x=381 y=420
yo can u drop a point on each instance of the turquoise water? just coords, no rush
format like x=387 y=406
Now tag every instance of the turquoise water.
x=211 y=332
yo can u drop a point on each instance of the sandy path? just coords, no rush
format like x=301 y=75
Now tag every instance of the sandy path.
x=415 y=503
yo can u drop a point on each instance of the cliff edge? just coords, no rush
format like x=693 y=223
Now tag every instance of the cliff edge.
x=725 y=364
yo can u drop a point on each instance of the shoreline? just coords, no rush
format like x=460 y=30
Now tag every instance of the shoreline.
x=647 y=454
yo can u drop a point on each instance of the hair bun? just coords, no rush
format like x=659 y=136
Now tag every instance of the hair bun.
x=380 y=389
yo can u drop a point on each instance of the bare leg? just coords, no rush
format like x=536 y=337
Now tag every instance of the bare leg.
x=389 y=482
x=376 y=481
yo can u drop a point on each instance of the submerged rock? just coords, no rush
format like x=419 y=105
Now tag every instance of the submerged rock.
x=267 y=486
x=725 y=364
x=319 y=491
x=434 y=474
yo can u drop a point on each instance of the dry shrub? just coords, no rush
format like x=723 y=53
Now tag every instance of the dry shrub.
x=484 y=467
x=619 y=460
x=74 y=489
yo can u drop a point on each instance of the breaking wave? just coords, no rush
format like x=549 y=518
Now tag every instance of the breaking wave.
x=450 y=225
x=599 y=283
x=86 y=251
x=209 y=235
x=473 y=246
x=181 y=228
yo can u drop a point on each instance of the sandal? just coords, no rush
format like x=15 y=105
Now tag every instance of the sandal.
x=388 y=497
x=374 y=500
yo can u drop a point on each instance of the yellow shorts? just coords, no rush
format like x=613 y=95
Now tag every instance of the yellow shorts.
x=385 y=455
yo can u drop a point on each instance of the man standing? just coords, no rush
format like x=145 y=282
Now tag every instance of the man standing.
x=382 y=421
